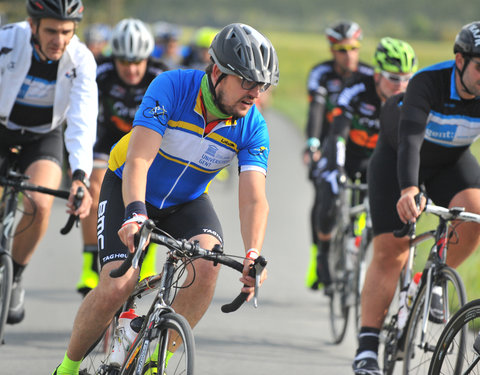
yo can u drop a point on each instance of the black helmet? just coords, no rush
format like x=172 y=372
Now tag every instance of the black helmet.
x=68 y=10
x=343 y=30
x=467 y=41
x=241 y=50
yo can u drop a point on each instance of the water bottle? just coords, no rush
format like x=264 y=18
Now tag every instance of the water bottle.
x=412 y=289
x=125 y=335
x=352 y=253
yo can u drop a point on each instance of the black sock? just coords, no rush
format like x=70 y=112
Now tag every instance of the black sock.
x=368 y=340
x=322 y=262
x=17 y=270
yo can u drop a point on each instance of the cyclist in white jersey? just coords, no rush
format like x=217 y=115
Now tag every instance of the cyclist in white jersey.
x=47 y=78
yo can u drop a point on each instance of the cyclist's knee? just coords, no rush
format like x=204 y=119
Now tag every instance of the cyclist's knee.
x=205 y=272
x=114 y=291
x=389 y=250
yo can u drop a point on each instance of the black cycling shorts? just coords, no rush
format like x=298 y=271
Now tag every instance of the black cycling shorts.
x=441 y=182
x=183 y=221
x=48 y=146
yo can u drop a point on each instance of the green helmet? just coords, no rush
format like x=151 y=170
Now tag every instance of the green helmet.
x=203 y=37
x=395 y=56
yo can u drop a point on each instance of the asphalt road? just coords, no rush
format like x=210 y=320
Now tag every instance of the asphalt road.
x=287 y=334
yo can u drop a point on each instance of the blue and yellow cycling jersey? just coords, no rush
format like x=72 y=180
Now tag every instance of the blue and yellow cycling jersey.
x=188 y=159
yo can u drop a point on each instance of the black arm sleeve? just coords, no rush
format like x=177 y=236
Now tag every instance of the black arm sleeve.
x=411 y=132
x=316 y=114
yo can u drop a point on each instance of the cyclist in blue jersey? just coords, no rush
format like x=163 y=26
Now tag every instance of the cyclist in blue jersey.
x=425 y=139
x=47 y=79
x=189 y=126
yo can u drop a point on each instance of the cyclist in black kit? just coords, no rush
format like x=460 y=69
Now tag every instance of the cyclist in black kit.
x=122 y=81
x=424 y=139
x=325 y=81
x=353 y=135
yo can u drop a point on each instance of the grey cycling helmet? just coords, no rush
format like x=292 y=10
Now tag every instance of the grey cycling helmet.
x=68 y=10
x=241 y=50
x=467 y=41
x=343 y=30
x=97 y=33
x=131 y=40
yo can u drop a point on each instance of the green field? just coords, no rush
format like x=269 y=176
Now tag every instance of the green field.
x=298 y=53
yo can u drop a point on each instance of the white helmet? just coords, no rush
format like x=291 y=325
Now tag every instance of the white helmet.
x=131 y=40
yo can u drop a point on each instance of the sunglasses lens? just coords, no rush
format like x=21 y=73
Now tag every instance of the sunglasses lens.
x=396 y=78
x=250 y=85
x=345 y=47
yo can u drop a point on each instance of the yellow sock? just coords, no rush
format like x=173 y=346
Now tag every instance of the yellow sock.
x=68 y=367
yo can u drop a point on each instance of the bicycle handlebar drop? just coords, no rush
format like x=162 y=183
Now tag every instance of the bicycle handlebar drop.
x=183 y=248
x=72 y=219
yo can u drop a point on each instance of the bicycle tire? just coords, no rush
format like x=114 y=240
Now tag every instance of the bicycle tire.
x=417 y=359
x=6 y=280
x=458 y=337
x=339 y=309
x=152 y=352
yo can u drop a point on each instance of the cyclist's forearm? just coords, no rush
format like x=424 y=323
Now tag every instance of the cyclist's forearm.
x=315 y=119
x=253 y=209
x=142 y=149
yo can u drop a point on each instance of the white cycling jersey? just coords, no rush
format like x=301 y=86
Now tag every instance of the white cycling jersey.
x=75 y=99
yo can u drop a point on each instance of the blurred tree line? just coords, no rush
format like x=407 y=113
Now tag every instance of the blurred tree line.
x=416 y=19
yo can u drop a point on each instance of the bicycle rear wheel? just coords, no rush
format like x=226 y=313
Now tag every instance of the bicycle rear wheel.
x=6 y=279
x=457 y=340
x=153 y=355
x=418 y=353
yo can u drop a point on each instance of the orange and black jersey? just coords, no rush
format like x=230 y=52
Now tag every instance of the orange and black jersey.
x=357 y=116
x=324 y=85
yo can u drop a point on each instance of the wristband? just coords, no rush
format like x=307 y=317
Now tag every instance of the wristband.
x=252 y=254
x=81 y=176
x=313 y=142
x=136 y=207
x=137 y=219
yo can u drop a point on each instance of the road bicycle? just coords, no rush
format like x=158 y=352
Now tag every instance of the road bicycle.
x=415 y=342
x=13 y=184
x=161 y=330
x=347 y=256
x=458 y=349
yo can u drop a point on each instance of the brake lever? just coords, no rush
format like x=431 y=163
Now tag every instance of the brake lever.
x=144 y=234
x=259 y=267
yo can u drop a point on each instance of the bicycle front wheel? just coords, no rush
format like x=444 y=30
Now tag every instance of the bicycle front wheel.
x=340 y=288
x=6 y=279
x=460 y=338
x=422 y=333
x=168 y=350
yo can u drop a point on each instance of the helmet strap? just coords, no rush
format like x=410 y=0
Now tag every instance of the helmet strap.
x=210 y=98
x=461 y=72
